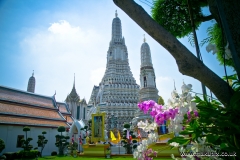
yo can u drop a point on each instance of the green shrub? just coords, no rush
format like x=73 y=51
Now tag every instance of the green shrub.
x=27 y=154
x=10 y=155
x=126 y=126
x=54 y=153
x=3 y=157
x=134 y=141
x=2 y=145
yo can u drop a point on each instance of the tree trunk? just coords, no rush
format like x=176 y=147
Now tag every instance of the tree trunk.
x=187 y=63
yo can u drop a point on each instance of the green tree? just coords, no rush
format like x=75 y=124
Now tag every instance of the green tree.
x=174 y=15
x=160 y=100
x=178 y=23
x=26 y=142
x=129 y=144
x=187 y=63
x=42 y=141
x=62 y=140
x=2 y=145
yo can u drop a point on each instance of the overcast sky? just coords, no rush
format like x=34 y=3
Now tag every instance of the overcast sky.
x=57 y=38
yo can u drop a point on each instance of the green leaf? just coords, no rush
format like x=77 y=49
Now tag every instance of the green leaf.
x=186 y=132
x=180 y=140
x=223 y=145
x=235 y=100
x=212 y=138
x=197 y=99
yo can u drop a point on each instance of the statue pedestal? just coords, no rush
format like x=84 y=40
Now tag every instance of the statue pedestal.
x=95 y=150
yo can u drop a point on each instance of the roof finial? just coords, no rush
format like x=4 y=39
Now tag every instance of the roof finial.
x=55 y=93
x=74 y=81
x=33 y=73
x=144 y=39
x=174 y=84
x=116 y=14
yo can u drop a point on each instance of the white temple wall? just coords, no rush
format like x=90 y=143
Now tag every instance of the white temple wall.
x=9 y=134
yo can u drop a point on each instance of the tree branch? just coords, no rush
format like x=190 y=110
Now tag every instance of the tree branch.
x=187 y=63
x=207 y=18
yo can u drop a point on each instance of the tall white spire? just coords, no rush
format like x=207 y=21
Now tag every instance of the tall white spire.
x=31 y=83
x=146 y=59
x=116 y=29
x=117 y=92
x=147 y=76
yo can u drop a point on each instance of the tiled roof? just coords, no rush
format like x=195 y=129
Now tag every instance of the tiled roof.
x=30 y=121
x=62 y=107
x=17 y=109
x=69 y=119
x=25 y=97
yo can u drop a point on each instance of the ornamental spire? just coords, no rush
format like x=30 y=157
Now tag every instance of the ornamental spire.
x=144 y=39
x=74 y=81
x=31 y=83
x=116 y=14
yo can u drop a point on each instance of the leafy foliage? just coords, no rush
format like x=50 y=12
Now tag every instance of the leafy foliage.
x=62 y=140
x=215 y=123
x=26 y=142
x=42 y=141
x=215 y=36
x=28 y=154
x=2 y=145
x=128 y=143
x=160 y=100
x=233 y=82
x=174 y=15
x=72 y=147
x=87 y=128
x=54 y=153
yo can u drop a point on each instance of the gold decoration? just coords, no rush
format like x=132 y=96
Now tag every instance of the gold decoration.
x=98 y=122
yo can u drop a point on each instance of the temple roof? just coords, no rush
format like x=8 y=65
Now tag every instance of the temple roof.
x=15 y=95
x=63 y=108
x=25 y=108
x=6 y=119
x=69 y=119
x=73 y=96
x=16 y=109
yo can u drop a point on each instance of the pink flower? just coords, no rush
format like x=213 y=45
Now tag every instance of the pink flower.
x=176 y=111
x=166 y=115
x=159 y=118
x=155 y=153
x=140 y=106
x=172 y=113
x=195 y=113
x=154 y=112
x=189 y=115
x=151 y=103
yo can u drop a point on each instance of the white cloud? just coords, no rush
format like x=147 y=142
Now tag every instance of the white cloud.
x=61 y=50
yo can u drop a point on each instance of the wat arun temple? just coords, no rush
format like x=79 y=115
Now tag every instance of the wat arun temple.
x=118 y=93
